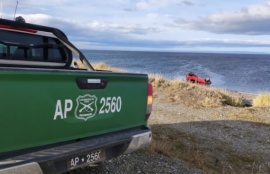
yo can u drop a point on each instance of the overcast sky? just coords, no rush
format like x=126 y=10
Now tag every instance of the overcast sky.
x=154 y=25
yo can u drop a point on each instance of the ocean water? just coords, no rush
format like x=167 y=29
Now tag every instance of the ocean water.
x=238 y=72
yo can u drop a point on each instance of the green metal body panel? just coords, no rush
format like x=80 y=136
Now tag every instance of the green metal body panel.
x=32 y=116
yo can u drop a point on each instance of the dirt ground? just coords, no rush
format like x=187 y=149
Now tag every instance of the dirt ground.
x=193 y=135
x=216 y=139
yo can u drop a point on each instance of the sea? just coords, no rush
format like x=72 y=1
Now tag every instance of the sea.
x=248 y=73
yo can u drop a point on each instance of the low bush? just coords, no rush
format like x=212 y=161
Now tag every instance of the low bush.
x=261 y=100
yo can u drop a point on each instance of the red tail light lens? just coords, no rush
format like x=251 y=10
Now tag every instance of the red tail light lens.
x=149 y=100
x=18 y=29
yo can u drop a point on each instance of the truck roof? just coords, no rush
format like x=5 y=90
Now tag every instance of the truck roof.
x=53 y=30
x=27 y=28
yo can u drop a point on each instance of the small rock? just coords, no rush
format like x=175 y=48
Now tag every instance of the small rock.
x=246 y=103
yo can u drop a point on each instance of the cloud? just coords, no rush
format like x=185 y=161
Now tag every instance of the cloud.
x=154 y=4
x=226 y=43
x=38 y=18
x=186 y=3
x=94 y=32
x=253 y=20
x=129 y=9
x=132 y=44
x=105 y=35
x=67 y=24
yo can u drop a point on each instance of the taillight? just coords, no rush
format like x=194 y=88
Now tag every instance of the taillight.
x=149 y=100
x=18 y=29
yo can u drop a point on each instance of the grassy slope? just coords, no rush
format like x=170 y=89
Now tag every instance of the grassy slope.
x=210 y=97
x=196 y=150
x=189 y=148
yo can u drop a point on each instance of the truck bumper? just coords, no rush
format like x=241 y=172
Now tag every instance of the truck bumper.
x=139 y=141
x=55 y=159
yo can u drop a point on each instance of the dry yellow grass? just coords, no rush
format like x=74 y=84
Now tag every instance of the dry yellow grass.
x=105 y=67
x=192 y=94
x=97 y=66
x=261 y=100
x=159 y=81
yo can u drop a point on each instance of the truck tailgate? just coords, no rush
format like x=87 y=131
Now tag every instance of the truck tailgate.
x=40 y=107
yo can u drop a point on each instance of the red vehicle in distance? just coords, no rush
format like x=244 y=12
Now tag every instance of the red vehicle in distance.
x=191 y=77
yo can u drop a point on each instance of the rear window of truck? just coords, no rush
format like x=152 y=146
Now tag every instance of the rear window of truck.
x=29 y=47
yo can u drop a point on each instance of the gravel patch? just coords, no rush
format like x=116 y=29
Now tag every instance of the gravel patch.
x=141 y=162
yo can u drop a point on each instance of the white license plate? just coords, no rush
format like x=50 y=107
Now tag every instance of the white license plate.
x=88 y=158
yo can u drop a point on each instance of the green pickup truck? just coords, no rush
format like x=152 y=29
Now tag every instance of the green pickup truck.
x=56 y=115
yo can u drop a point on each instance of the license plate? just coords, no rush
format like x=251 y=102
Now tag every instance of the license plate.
x=88 y=158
